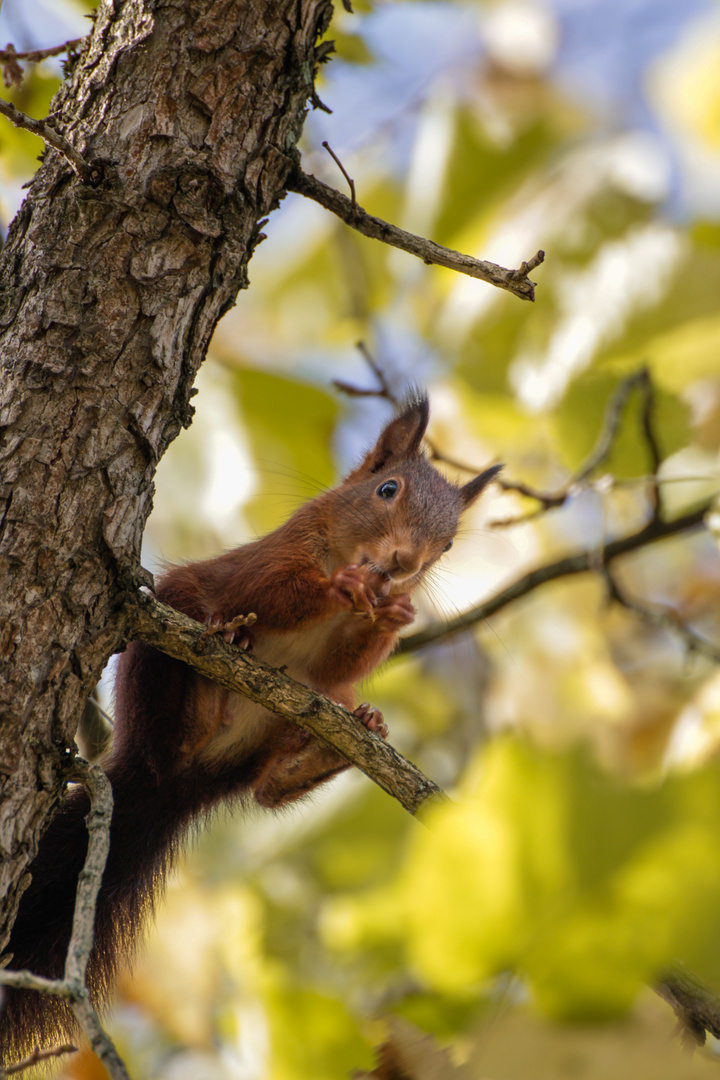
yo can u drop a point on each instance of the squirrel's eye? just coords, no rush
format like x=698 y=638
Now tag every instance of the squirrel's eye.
x=388 y=490
x=448 y=546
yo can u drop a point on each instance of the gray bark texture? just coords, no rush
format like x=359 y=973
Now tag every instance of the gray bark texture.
x=109 y=295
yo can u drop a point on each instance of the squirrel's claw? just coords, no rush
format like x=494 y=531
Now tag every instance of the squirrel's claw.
x=216 y=624
x=350 y=586
x=392 y=612
x=372 y=719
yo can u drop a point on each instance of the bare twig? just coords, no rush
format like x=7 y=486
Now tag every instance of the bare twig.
x=72 y=985
x=35 y=55
x=386 y=394
x=383 y=391
x=611 y=424
x=573 y=564
x=88 y=173
x=341 y=167
x=37 y=1056
x=648 y=423
x=514 y=281
x=600 y=451
x=665 y=618
x=178 y=636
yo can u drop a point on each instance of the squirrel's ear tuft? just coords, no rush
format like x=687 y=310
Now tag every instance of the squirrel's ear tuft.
x=401 y=438
x=470 y=491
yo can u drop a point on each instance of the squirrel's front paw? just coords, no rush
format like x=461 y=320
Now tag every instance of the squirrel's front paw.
x=351 y=587
x=372 y=718
x=392 y=612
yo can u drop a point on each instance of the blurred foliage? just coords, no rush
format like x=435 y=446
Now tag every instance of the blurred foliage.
x=19 y=149
x=581 y=853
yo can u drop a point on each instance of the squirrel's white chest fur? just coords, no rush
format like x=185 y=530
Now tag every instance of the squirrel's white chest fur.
x=242 y=725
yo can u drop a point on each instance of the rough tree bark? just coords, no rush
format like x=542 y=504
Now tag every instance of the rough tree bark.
x=108 y=298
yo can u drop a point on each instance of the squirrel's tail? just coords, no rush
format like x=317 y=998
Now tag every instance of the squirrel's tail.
x=150 y=820
x=155 y=802
x=144 y=832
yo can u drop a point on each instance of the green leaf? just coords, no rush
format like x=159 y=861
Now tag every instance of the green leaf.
x=313 y=1035
x=291 y=426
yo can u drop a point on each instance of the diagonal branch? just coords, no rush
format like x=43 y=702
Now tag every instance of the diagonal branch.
x=186 y=640
x=572 y=564
x=696 y=1006
x=515 y=281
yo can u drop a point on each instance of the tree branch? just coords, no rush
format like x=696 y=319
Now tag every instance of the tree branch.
x=157 y=624
x=572 y=564
x=35 y=55
x=663 y=617
x=89 y=174
x=72 y=986
x=515 y=281
x=187 y=640
x=603 y=445
x=696 y=1006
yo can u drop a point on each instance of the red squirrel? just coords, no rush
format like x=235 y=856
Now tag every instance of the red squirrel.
x=331 y=589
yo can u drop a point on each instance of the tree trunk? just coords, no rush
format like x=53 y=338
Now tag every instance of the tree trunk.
x=109 y=297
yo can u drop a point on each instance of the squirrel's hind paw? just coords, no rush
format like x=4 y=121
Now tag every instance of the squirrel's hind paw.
x=372 y=719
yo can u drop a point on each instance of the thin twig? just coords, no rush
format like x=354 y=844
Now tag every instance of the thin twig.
x=600 y=451
x=36 y=1056
x=573 y=564
x=88 y=173
x=72 y=986
x=12 y=72
x=35 y=55
x=514 y=281
x=341 y=167
x=648 y=424
x=611 y=424
x=665 y=618
x=385 y=393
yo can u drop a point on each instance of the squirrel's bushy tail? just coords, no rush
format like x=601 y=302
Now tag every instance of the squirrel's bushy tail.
x=153 y=810
x=145 y=830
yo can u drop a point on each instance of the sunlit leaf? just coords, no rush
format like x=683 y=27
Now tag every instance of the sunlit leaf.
x=290 y=425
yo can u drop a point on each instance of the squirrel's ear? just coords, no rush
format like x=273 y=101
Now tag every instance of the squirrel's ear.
x=402 y=436
x=470 y=491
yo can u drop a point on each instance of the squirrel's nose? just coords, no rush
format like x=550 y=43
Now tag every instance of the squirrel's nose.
x=406 y=560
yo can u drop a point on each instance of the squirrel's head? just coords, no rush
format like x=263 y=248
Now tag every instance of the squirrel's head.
x=395 y=511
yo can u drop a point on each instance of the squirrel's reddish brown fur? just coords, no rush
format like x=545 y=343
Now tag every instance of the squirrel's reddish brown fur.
x=331 y=589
